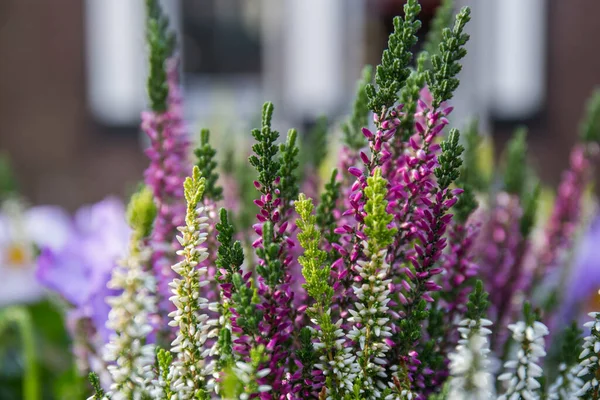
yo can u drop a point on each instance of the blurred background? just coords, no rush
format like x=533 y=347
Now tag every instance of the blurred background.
x=72 y=76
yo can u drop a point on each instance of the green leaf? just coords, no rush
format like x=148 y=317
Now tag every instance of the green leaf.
x=441 y=79
x=409 y=97
x=8 y=182
x=571 y=344
x=244 y=300
x=164 y=359
x=194 y=188
x=230 y=255
x=471 y=173
x=161 y=43
x=590 y=126
x=265 y=159
x=516 y=161
x=377 y=220
x=530 y=207
x=441 y=20
x=478 y=303
x=314 y=146
x=466 y=203
x=393 y=71
x=314 y=268
x=450 y=160
x=205 y=155
x=99 y=393
x=325 y=215
x=288 y=171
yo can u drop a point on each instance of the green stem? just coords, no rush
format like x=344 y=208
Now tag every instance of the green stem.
x=20 y=317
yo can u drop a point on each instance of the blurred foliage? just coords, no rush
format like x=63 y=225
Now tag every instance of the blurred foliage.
x=52 y=359
x=8 y=183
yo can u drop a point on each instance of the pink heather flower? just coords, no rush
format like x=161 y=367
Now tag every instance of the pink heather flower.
x=564 y=220
x=499 y=243
x=277 y=299
x=231 y=193
x=352 y=222
x=311 y=184
x=432 y=224
x=211 y=290
x=169 y=165
x=275 y=331
x=502 y=252
x=411 y=178
x=421 y=215
x=459 y=266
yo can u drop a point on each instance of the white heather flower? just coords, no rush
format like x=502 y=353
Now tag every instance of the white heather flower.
x=589 y=356
x=247 y=375
x=470 y=366
x=191 y=369
x=404 y=395
x=371 y=312
x=566 y=384
x=130 y=358
x=524 y=371
x=158 y=387
x=343 y=363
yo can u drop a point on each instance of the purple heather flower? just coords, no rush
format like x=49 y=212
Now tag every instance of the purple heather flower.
x=411 y=177
x=231 y=192
x=21 y=230
x=276 y=296
x=421 y=215
x=278 y=324
x=351 y=223
x=80 y=269
x=459 y=266
x=567 y=210
x=169 y=165
x=499 y=243
x=502 y=259
x=312 y=183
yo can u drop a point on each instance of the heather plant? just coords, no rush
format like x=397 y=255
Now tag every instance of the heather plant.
x=399 y=276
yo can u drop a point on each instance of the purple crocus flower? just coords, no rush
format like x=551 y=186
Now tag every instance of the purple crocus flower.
x=21 y=230
x=80 y=269
x=581 y=292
